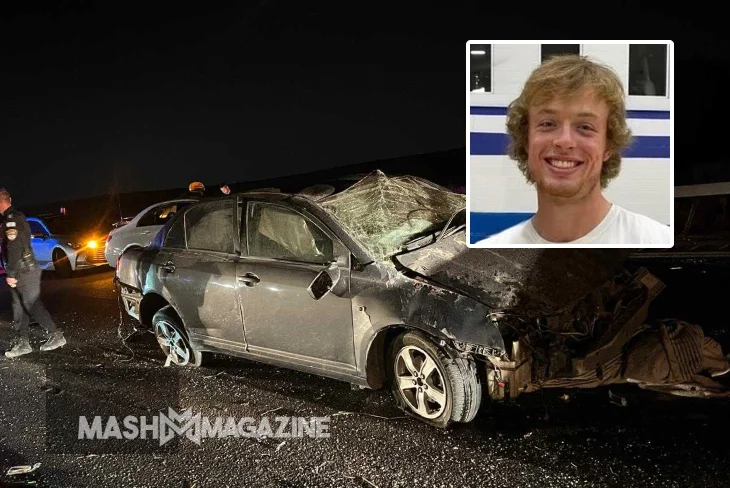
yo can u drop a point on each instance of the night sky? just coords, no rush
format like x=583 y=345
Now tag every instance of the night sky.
x=162 y=98
x=158 y=98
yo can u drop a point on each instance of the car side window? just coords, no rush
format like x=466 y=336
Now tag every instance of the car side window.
x=279 y=233
x=36 y=228
x=711 y=216
x=176 y=234
x=159 y=215
x=211 y=226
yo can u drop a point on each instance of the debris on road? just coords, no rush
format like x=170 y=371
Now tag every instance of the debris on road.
x=617 y=400
x=362 y=478
x=25 y=469
x=368 y=415
x=271 y=411
x=214 y=375
x=316 y=470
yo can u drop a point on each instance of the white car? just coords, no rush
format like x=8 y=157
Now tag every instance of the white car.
x=140 y=231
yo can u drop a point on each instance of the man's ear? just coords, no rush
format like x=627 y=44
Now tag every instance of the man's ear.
x=606 y=155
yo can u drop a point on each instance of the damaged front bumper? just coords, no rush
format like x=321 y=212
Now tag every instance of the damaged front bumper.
x=581 y=347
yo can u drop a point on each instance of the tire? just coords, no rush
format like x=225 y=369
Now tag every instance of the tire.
x=452 y=388
x=168 y=329
x=61 y=264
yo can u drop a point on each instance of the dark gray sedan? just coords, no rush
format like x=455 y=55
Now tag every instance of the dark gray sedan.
x=373 y=285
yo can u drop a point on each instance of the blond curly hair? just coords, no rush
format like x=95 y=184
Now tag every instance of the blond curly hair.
x=563 y=75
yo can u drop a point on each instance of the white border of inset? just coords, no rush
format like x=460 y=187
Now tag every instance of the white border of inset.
x=670 y=91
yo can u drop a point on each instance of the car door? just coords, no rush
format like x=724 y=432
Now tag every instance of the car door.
x=197 y=267
x=41 y=243
x=284 y=252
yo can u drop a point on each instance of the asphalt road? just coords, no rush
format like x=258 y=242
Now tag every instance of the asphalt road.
x=546 y=439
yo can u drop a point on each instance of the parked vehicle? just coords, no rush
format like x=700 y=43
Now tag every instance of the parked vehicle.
x=374 y=285
x=64 y=245
x=140 y=230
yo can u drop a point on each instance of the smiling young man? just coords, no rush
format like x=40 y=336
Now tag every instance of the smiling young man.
x=567 y=130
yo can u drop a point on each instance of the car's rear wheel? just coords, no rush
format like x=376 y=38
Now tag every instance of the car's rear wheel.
x=430 y=383
x=173 y=340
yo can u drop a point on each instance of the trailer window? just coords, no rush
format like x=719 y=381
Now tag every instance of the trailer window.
x=549 y=50
x=480 y=66
x=648 y=69
x=711 y=216
x=682 y=208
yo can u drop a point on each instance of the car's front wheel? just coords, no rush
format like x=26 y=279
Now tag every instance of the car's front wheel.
x=173 y=341
x=432 y=384
x=61 y=263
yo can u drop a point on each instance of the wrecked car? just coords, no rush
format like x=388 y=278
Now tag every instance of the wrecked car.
x=375 y=285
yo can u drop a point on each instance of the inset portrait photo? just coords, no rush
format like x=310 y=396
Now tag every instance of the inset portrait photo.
x=570 y=144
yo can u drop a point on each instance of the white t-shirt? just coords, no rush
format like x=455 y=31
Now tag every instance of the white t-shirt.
x=620 y=226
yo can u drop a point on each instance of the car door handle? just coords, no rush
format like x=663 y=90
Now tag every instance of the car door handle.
x=249 y=279
x=168 y=266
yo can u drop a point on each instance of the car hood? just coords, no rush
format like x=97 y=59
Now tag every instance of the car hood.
x=534 y=280
x=80 y=238
x=64 y=238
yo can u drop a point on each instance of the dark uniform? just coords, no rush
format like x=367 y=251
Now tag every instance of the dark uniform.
x=20 y=263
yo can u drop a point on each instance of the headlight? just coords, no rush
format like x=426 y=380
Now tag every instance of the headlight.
x=91 y=244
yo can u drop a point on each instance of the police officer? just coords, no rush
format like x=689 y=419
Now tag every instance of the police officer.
x=23 y=275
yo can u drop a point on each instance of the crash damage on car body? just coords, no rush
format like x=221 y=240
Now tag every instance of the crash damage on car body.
x=515 y=319
x=556 y=318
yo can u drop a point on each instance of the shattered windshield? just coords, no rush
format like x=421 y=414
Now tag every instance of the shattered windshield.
x=384 y=213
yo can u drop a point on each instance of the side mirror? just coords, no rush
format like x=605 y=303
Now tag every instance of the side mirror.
x=324 y=282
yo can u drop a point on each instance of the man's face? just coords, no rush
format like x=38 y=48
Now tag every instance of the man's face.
x=567 y=145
